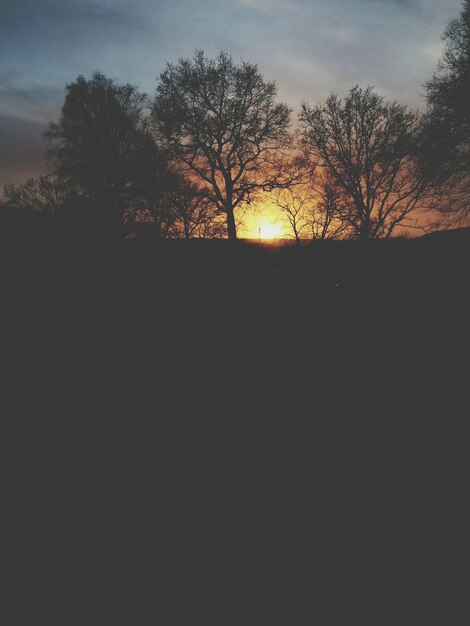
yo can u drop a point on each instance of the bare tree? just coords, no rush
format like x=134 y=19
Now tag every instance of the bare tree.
x=178 y=211
x=331 y=218
x=368 y=148
x=45 y=195
x=193 y=215
x=296 y=207
x=221 y=121
x=315 y=207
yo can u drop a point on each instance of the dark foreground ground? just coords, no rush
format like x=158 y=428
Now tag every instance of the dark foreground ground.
x=244 y=318
x=236 y=432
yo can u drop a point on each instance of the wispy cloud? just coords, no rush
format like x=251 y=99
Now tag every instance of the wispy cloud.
x=310 y=47
x=272 y=6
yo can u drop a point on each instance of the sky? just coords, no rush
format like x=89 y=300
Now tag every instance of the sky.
x=309 y=47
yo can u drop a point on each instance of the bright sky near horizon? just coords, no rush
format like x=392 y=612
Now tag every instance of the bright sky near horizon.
x=310 y=47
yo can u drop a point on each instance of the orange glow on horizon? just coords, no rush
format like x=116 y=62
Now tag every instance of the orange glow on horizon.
x=264 y=221
x=269 y=230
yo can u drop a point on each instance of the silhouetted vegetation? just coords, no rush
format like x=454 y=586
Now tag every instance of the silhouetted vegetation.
x=213 y=140
x=174 y=208
x=446 y=137
x=44 y=195
x=155 y=362
x=220 y=120
x=368 y=148
x=314 y=206
x=101 y=145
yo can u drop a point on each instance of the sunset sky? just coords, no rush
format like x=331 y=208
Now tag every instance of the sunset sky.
x=310 y=47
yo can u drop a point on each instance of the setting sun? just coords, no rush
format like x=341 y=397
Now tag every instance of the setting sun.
x=269 y=231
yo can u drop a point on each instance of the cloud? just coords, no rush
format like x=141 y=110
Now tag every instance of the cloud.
x=29 y=101
x=270 y=6
x=310 y=47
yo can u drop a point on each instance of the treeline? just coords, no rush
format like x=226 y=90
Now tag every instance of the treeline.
x=213 y=140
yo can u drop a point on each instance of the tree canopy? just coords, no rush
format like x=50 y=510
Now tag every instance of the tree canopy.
x=368 y=147
x=222 y=123
x=101 y=144
x=44 y=195
x=447 y=132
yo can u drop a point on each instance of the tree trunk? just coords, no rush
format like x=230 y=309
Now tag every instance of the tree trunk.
x=231 y=227
x=365 y=228
x=157 y=229
x=363 y=214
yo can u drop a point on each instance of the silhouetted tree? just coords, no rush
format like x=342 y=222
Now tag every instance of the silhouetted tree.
x=181 y=211
x=44 y=195
x=316 y=207
x=101 y=144
x=148 y=210
x=447 y=130
x=296 y=209
x=333 y=209
x=221 y=120
x=193 y=214
x=368 y=147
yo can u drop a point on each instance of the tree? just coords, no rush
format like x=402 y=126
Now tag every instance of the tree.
x=181 y=211
x=44 y=195
x=333 y=209
x=296 y=209
x=315 y=208
x=102 y=145
x=221 y=121
x=193 y=215
x=447 y=131
x=149 y=209
x=368 y=148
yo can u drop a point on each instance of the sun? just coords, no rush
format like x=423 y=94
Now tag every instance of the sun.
x=269 y=231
